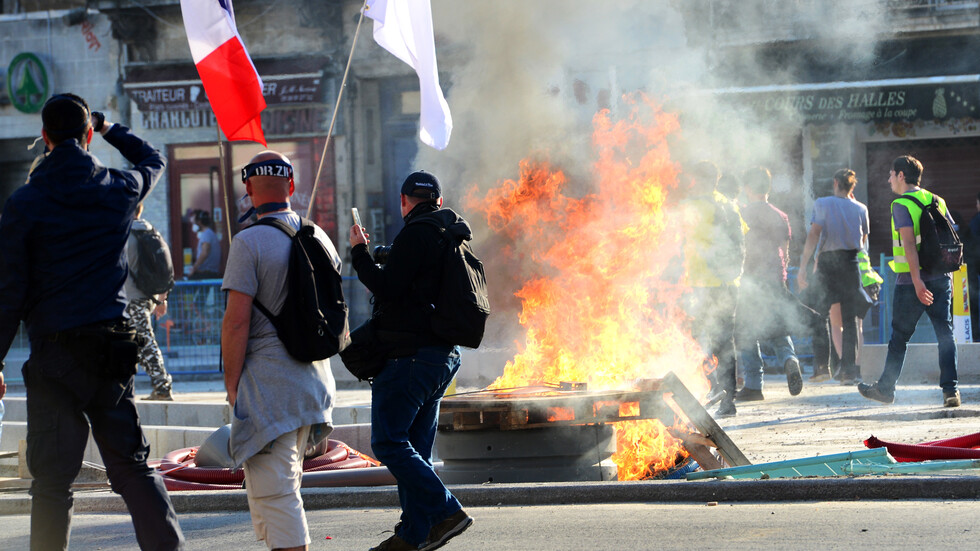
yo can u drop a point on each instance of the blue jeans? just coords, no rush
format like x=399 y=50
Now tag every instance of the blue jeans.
x=906 y=311
x=405 y=399
x=751 y=359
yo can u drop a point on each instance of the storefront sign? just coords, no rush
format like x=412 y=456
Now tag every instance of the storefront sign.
x=291 y=90
x=28 y=82
x=191 y=96
x=281 y=121
x=887 y=104
x=176 y=97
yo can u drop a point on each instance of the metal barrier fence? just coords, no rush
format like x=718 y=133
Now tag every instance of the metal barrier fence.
x=190 y=333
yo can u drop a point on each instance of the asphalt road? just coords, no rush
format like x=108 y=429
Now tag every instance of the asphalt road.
x=891 y=525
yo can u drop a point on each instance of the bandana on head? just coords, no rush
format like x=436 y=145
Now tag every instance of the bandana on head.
x=272 y=167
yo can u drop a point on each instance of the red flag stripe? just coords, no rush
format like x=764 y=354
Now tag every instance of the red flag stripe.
x=234 y=91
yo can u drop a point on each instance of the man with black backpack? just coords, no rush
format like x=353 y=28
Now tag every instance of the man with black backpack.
x=151 y=276
x=919 y=287
x=405 y=395
x=282 y=403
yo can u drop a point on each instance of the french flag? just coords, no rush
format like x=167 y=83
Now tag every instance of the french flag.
x=233 y=85
x=404 y=28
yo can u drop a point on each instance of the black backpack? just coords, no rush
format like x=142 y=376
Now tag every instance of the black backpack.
x=153 y=273
x=941 y=250
x=463 y=304
x=312 y=324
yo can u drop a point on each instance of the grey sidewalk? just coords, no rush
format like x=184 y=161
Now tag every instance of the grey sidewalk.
x=825 y=419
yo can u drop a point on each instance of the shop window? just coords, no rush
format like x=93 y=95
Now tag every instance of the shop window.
x=197 y=183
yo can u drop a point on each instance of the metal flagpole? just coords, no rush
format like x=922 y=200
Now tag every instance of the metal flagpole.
x=224 y=186
x=333 y=119
x=224 y=193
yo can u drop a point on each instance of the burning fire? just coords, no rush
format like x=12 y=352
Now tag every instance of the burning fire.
x=601 y=304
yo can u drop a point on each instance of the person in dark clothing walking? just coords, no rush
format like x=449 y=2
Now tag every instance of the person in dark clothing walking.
x=764 y=302
x=405 y=396
x=62 y=270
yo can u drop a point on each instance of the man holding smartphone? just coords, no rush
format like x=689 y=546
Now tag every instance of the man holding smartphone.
x=62 y=270
x=406 y=394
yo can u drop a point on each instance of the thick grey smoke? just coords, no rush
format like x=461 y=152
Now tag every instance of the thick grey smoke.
x=527 y=76
x=534 y=72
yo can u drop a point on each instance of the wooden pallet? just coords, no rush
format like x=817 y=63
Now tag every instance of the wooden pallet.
x=684 y=402
x=489 y=410
x=549 y=407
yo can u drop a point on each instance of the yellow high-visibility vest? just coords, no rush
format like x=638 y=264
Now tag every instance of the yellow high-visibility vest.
x=868 y=274
x=900 y=263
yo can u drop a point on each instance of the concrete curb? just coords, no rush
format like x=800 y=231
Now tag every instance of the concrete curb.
x=530 y=494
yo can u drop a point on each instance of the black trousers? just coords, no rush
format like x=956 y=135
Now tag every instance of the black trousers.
x=839 y=281
x=63 y=399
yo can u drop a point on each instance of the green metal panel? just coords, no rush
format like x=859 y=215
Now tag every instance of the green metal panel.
x=913 y=467
x=821 y=465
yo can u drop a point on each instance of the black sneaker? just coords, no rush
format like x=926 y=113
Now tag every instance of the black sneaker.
x=794 y=377
x=726 y=408
x=394 y=543
x=449 y=528
x=874 y=392
x=749 y=395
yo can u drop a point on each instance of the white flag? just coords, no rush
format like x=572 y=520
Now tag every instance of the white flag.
x=404 y=28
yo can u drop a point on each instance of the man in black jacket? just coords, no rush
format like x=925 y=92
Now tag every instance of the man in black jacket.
x=62 y=269
x=405 y=396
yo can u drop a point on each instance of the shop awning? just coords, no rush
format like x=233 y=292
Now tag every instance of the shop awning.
x=890 y=100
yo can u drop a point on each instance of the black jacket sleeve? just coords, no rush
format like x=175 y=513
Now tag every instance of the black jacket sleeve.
x=410 y=250
x=148 y=162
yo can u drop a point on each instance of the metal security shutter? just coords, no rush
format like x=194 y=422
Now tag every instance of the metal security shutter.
x=951 y=169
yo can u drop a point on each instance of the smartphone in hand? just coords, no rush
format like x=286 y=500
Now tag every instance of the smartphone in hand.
x=357 y=223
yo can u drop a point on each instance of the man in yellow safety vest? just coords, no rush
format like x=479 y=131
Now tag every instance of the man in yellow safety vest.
x=916 y=290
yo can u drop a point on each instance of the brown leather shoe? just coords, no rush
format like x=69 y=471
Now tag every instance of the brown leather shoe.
x=449 y=528
x=160 y=396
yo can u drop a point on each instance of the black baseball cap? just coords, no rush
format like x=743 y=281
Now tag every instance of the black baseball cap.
x=423 y=185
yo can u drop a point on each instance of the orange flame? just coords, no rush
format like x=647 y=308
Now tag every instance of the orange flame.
x=560 y=414
x=600 y=304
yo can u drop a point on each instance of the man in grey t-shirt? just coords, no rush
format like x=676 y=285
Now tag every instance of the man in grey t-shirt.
x=840 y=226
x=280 y=404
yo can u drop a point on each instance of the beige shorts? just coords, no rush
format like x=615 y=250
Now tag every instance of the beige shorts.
x=272 y=483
